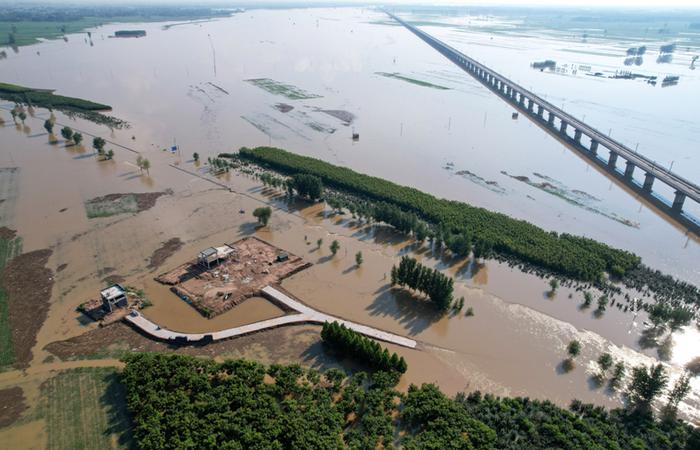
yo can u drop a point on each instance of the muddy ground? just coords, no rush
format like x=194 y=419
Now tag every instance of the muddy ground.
x=11 y=405
x=28 y=284
x=164 y=252
x=7 y=234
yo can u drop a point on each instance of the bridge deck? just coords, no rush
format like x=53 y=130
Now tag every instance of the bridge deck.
x=680 y=184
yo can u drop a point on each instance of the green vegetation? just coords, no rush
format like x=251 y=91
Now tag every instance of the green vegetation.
x=431 y=282
x=263 y=214
x=308 y=186
x=184 y=402
x=77 y=138
x=358 y=259
x=278 y=88
x=459 y=226
x=350 y=343
x=647 y=383
x=44 y=98
x=48 y=126
x=10 y=246
x=412 y=80
x=335 y=246
x=67 y=133
x=22 y=24
x=195 y=156
x=85 y=408
x=553 y=286
x=111 y=206
x=143 y=164
x=569 y=255
x=98 y=144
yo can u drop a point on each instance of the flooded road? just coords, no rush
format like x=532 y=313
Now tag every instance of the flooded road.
x=451 y=142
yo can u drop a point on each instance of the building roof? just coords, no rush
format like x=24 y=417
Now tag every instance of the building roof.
x=112 y=292
x=207 y=252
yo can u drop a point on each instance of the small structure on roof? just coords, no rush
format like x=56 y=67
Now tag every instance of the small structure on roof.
x=207 y=257
x=114 y=297
x=281 y=257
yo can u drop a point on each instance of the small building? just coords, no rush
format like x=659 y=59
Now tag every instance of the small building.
x=208 y=257
x=282 y=257
x=113 y=297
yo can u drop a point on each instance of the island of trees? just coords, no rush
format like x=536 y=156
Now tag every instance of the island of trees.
x=185 y=402
x=430 y=282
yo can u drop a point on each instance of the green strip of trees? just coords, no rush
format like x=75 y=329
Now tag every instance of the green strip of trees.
x=431 y=282
x=351 y=343
x=463 y=227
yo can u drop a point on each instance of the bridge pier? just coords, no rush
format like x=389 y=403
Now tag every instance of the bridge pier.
x=577 y=136
x=522 y=99
x=648 y=182
x=594 y=147
x=678 y=201
x=530 y=105
x=629 y=170
x=550 y=121
x=612 y=160
x=540 y=110
x=562 y=128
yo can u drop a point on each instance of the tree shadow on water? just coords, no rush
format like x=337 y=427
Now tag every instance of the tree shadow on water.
x=119 y=419
x=413 y=313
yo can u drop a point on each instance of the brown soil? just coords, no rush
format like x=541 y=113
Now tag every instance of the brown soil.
x=164 y=252
x=11 y=405
x=250 y=265
x=7 y=234
x=282 y=344
x=28 y=284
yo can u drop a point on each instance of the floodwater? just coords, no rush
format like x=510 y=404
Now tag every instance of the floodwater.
x=199 y=99
x=515 y=342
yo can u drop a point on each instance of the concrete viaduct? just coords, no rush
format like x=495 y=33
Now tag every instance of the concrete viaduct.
x=562 y=124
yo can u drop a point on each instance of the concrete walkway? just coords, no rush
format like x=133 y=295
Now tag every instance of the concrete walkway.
x=304 y=314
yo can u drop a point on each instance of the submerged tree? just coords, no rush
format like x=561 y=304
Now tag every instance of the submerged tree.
x=195 y=156
x=22 y=116
x=680 y=390
x=98 y=144
x=67 y=133
x=77 y=138
x=48 y=126
x=358 y=259
x=335 y=246
x=263 y=214
x=646 y=385
x=109 y=154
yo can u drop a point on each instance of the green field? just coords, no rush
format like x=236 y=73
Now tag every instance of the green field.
x=9 y=248
x=283 y=89
x=47 y=99
x=85 y=409
x=412 y=80
x=107 y=208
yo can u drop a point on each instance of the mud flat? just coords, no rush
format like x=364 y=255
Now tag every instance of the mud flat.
x=11 y=405
x=239 y=271
x=27 y=282
x=164 y=252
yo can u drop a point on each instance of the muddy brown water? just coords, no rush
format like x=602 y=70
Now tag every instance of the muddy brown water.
x=515 y=342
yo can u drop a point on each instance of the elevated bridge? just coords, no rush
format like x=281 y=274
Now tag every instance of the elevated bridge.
x=585 y=139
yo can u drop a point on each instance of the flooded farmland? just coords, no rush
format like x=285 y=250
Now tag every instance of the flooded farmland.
x=421 y=122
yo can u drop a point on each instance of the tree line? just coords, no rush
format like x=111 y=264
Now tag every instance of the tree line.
x=351 y=343
x=464 y=228
x=433 y=283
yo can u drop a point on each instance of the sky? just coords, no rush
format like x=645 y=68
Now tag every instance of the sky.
x=661 y=4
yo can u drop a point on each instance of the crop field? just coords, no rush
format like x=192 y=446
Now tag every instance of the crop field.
x=85 y=408
x=283 y=89
x=9 y=248
x=105 y=208
x=412 y=80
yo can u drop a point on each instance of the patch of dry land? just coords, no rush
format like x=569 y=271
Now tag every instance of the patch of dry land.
x=234 y=272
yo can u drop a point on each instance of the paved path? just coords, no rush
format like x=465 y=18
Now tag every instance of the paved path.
x=304 y=314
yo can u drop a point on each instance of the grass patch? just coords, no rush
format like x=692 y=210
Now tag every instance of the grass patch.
x=412 y=80
x=9 y=248
x=47 y=99
x=283 y=89
x=107 y=208
x=86 y=408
